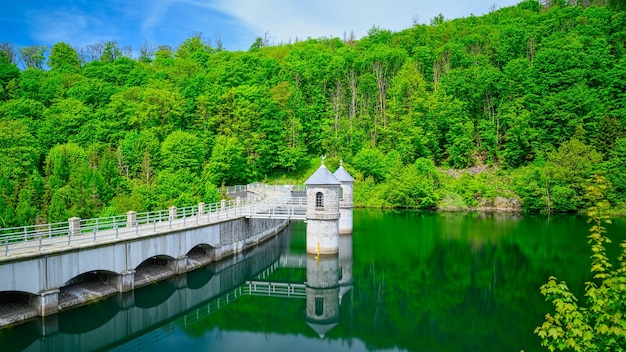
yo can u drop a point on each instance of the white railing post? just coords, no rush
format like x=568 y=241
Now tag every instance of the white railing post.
x=74 y=229
x=200 y=212
x=131 y=218
x=172 y=214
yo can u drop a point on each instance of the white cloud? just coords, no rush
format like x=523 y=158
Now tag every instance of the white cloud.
x=67 y=25
x=153 y=17
x=238 y=21
x=287 y=19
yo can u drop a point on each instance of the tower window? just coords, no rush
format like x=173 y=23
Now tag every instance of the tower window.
x=319 y=201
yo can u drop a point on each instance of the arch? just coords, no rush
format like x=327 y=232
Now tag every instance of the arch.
x=87 y=287
x=153 y=269
x=91 y=276
x=19 y=298
x=160 y=259
x=174 y=245
x=319 y=201
x=201 y=254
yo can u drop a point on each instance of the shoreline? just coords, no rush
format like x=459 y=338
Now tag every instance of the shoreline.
x=617 y=213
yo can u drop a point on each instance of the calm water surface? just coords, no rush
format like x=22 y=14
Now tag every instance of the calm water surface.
x=403 y=281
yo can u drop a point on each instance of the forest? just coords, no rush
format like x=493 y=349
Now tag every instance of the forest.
x=515 y=109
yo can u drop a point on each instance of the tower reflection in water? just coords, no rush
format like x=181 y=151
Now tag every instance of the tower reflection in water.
x=329 y=278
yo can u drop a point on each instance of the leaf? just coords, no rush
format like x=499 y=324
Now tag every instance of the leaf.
x=603 y=329
x=554 y=333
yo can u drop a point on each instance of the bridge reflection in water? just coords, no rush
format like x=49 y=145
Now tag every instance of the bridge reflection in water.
x=140 y=319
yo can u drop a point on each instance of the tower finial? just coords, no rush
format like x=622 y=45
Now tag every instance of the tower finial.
x=340 y=162
x=323 y=157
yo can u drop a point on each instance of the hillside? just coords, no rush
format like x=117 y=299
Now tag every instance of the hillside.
x=533 y=94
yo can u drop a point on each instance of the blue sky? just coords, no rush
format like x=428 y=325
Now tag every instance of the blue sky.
x=238 y=22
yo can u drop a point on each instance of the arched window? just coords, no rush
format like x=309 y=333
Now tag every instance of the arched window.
x=319 y=201
x=319 y=306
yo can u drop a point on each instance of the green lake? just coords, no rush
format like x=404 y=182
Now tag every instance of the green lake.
x=403 y=281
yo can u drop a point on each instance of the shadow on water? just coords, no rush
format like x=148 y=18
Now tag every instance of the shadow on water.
x=88 y=318
x=200 y=277
x=20 y=337
x=154 y=295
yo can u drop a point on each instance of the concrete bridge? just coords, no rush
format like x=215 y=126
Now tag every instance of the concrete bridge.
x=114 y=250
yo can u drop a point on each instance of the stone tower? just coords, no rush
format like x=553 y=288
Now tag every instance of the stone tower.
x=346 y=202
x=322 y=212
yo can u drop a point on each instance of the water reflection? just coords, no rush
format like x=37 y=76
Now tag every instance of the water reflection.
x=322 y=292
x=329 y=278
x=416 y=281
x=345 y=265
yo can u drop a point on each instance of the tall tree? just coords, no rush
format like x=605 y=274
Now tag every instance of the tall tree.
x=9 y=50
x=8 y=72
x=63 y=58
x=33 y=56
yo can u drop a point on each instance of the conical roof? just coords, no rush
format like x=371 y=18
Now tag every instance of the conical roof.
x=342 y=175
x=322 y=177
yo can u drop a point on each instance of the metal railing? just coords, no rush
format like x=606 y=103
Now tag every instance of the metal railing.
x=285 y=207
x=37 y=238
x=260 y=188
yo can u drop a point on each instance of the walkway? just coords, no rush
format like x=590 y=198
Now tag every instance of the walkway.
x=273 y=202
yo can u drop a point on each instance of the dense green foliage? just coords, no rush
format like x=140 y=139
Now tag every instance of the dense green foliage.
x=530 y=100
